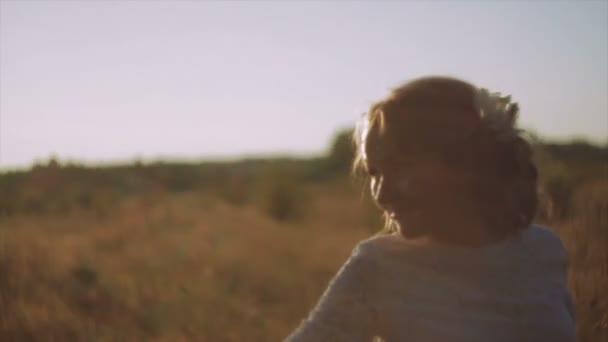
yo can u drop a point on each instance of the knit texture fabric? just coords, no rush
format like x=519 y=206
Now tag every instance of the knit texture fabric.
x=393 y=290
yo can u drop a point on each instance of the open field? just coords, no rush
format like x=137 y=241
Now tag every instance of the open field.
x=238 y=261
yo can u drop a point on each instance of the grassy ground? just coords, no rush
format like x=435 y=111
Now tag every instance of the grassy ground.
x=187 y=267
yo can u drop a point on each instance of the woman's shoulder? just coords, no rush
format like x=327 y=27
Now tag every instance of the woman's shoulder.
x=376 y=258
x=538 y=231
x=376 y=243
x=544 y=240
x=536 y=237
x=379 y=246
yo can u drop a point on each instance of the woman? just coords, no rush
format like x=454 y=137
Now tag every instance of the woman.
x=459 y=259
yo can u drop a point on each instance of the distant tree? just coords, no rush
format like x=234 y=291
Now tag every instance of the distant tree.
x=342 y=152
x=53 y=163
x=283 y=196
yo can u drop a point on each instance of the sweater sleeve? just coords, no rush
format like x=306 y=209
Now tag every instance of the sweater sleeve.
x=345 y=311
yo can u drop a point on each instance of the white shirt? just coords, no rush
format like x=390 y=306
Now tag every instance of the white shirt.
x=515 y=290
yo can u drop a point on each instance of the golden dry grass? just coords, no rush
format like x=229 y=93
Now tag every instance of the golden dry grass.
x=189 y=267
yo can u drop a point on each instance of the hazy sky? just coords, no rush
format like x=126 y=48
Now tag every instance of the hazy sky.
x=114 y=80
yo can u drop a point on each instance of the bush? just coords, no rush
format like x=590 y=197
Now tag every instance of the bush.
x=283 y=198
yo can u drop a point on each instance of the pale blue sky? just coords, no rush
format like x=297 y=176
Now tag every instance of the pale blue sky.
x=101 y=81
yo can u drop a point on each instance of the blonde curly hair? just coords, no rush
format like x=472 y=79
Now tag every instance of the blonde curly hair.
x=471 y=129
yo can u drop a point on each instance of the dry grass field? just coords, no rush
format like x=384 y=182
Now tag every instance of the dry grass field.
x=213 y=265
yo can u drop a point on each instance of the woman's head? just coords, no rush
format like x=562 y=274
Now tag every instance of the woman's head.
x=441 y=153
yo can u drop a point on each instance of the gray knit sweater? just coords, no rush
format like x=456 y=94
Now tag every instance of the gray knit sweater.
x=393 y=290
